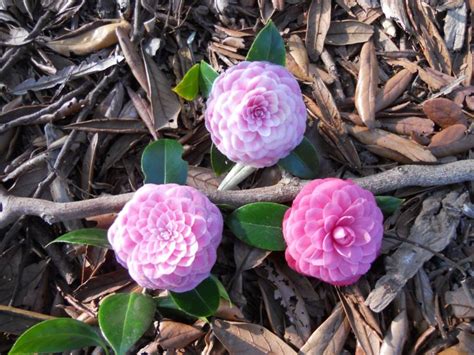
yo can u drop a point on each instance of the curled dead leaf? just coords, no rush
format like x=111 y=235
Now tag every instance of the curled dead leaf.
x=297 y=58
x=318 y=21
x=448 y=135
x=81 y=43
x=444 y=112
x=175 y=335
x=394 y=87
x=407 y=148
x=408 y=126
x=460 y=146
x=367 y=82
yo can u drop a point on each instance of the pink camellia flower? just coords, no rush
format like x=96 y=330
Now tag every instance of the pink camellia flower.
x=167 y=236
x=333 y=231
x=256 y=114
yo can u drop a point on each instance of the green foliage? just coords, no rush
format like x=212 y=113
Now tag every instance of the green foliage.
x=124 y=318
x=259 y=224
x=87 y=236
x=162 y=163
x=188 y=87
x=303 y=161
x=57 y=335
x=201 y=301
x=207 y=75
x=268 y=46
x=388 y=204
x=219 y=162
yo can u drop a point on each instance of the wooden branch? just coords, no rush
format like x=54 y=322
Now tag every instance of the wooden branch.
x=12 y=207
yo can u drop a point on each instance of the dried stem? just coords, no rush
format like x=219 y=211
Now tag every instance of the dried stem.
x=12 y=207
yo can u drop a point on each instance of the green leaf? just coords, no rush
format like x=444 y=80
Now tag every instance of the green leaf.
x=87 y=236
x=168 y=309
x=207 y=75
x=388 y=204
x=302 y=162
x=222 y=291
x=219 y=162
x=188 y=87
x=259 y=224
x=124 y=318
x=56 y=335
x=268 y=46
x=201 y=301
x=162 y=163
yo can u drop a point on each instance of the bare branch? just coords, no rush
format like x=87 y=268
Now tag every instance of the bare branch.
x=408 y=175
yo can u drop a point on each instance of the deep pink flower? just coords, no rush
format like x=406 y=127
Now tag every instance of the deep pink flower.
x=255 y=113
x=167 y=236
x=333 y=231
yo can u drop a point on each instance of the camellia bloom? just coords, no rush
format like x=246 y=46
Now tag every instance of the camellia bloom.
x=255 y=113
x=167 y=236
x=333 y=231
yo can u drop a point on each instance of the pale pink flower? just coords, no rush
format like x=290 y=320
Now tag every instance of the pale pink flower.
x=255 y=113
x=333 y=231
x=167 y=236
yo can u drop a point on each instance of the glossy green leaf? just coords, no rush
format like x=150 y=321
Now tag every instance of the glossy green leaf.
x=201 y=301
x=207 y=75
x=168 y=309
x=56 y=335
x=188 y=87
x=302 y=162
x=268 y=46
x=388 y=204
x=87 y=236
x=162 y=163
x=222 y=291
x=124 y=318
x=219 y=162
x=259 y=224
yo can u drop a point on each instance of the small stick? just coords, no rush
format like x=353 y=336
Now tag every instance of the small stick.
x=12 y=207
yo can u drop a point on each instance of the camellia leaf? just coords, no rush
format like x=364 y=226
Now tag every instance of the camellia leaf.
x=268 y=46
x=219 y=162
x=388 y=204
x=201 y=301
x=55 y=336
x=87 y=236
x=302 y=162
x=124 y=318
x=207 y=75
x=222 y=291
x=162 y=163
x=259 y=224
x=188 y=87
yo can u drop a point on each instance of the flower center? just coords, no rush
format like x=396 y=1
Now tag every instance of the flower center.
x=169 y=232
x=343 y=235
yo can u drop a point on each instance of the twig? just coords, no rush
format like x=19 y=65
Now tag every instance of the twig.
x=11 y=207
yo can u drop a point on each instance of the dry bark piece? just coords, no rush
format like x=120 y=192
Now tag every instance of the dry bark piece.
x=407 y=148
x=393 y=89
x=175 y=335
x=367 y=82
x=247 y=338
x=455 y=27
x=318 y=21
x=448 y=136
x=343 y=33
x=444 y=112
x=82 y=42
x=435 y=227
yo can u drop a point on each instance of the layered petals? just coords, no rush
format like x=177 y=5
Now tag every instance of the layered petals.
x=255 y=113
x=167 y=236
x=333 y=231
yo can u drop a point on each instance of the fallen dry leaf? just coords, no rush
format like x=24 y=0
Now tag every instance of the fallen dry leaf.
x=444 y=112
x=407 y=126
x=81 y=43
x=297 y=58
x=435 y=226
x=342 y=33
x=393 y=88
x=407 y=148
x=175 y=335
x=397 y=335
x=448 y=135
x=247 y=338
x=318 y=22
x=367 y=82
